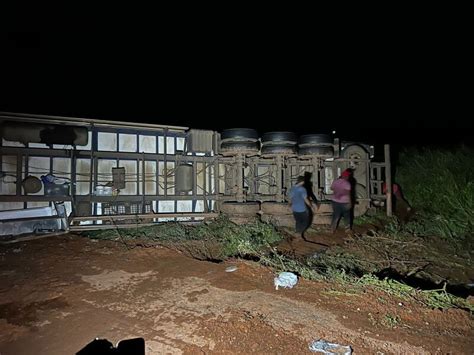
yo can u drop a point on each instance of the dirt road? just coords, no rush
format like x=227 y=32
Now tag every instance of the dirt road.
x=57 y=294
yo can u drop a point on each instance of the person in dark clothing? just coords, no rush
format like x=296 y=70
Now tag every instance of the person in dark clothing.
x=352 y=180
x=308 y=185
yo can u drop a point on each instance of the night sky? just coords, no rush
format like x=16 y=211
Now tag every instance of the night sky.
x=396 y=87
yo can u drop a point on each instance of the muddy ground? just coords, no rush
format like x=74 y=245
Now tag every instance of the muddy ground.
x=59 y=293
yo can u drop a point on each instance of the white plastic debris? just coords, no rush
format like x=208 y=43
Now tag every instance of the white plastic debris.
x=325 y=347
x=286 y=280
x=231 y=268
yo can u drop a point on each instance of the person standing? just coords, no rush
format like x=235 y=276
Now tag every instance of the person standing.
x=308 y=185
x=301 y=206
x=341 y=201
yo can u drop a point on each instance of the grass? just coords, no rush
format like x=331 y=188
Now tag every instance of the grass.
x=390 y=320
x=214 y=241
x=440 y=186
x=438 y=299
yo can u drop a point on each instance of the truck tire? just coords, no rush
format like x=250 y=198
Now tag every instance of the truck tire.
x=239 y=134
x=277 y=138
x=315 y=139
x=239 y=147
x=358 y=156
x=355 y=151
x=321 y=151
x=278 y=149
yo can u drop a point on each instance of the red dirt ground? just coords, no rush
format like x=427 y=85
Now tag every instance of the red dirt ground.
x=59 y=293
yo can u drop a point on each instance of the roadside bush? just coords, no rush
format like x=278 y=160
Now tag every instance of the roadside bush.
x=439 y=184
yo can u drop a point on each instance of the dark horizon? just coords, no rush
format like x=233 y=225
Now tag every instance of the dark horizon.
x=398 y=136
x=397 y=99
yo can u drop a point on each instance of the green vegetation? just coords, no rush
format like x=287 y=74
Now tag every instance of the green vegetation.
x=391 y=321
x=439 y=184
x=437 y=243
x=311 y=269
x=216 y=241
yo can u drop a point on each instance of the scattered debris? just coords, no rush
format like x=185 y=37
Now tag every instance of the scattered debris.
x=286 y=280
x=322 y=346
x=231 y=268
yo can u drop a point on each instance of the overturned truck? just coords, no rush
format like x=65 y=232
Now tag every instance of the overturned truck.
x=104 y=174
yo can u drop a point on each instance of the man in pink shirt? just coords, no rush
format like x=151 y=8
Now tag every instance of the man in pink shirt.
x=341 y=200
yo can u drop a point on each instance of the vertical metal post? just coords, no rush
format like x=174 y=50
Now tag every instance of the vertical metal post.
x=157 y=175
x=175 y=209
x=27 y=172
x=367 y=180
x=255 y=181
x=209 y=169
x=287 y=177
x=137 y=167
x=143 y=183
x=388 y=179
x=215 y=150
x=91 y=164
x=371 y=178
x=94 y=165
x=230 y=177
x=195 y=178
x=204 y=183
x=315 y=174
x=19 y=171
x=206 y=189
x=73 y=180
x=165 y=163
x=216 y=183
x=279 y=164
x=51 y=165
x=239 y=178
